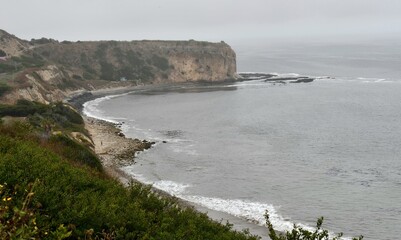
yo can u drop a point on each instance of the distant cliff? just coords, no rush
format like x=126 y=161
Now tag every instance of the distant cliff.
x=47 y=70
x=147 y=61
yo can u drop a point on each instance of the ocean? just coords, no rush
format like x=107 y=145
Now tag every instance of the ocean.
x=331 y=147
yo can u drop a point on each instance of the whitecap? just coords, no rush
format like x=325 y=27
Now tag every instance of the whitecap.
x=250 y=211
x=91 y=109
x=171 y=187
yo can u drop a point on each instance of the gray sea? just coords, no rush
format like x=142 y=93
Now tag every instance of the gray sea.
x=331 y=147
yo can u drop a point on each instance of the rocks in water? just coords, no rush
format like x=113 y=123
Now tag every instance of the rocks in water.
x=146 y=144
x=164 y=141
x=275 y=79
x=303 y=80
x=255 y=76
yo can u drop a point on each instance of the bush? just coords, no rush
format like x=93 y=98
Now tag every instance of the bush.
x=4 y=88
x=41 y=41
x=29 y=61
x=134 y=58
x=91 y=204
x=6 y=67
x=160 y=62
x=2 y=53
x=23 y=108
x=298 y=233
x=69 y=149
x=17 y=216
x=107 y=71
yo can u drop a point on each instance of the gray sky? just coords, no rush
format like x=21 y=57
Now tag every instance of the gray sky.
x=213 y=20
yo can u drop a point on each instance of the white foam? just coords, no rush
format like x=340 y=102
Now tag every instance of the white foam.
x=251 y=211
x=130 y=170
x=173 y=188
x=284 y=75
x=185 y=149
x=256 y=73
x=91 y=109
x=368 y=80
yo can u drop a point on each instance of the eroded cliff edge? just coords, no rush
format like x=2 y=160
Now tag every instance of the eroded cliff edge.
x=46 y=70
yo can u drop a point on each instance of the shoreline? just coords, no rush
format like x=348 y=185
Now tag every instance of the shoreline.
x=113 y=149
x=109 y=147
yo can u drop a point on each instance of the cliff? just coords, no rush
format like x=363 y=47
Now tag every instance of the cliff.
x=46 y=70
x=146 y=61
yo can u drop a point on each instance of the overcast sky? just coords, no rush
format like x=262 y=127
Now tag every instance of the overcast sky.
x=213 y=20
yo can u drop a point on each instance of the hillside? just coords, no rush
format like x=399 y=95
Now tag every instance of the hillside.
x=10 y=45
x=53 y=186
x=46 y=70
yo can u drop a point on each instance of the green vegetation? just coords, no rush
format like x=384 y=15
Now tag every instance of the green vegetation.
x=28 y=61
x=299 y=233
x=134 y=59
x=89 y=73
x=4 y=88
x=68 y=195
x=160 y=62
x=69 y=83
x=100 y=52
x=17 y=219
x=2 y=53
x=22 y=109
x=59 y=116
x=41 y=41
x=107 y=71
x=7 y=67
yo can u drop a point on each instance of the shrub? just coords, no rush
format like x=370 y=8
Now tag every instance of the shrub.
x=107 y=71
x=299 y=233
x=29 y=61
x=6 y=67
x=160 y=62
x=4 y=88
x=23 y=108
x=2 y=53
x=69 y=149
x=41 y=41
x=18 y=217
x=100 y=52
x=91 y=204
x=134 y=58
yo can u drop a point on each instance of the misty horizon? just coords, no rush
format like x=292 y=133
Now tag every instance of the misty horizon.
x=228 y=20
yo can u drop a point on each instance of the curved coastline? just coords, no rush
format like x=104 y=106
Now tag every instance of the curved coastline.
x=115 y=151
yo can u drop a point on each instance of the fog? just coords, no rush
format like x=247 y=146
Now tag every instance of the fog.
x=228 y=20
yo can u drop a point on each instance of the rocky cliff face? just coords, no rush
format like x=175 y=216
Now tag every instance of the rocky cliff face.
x=46 y=70
x=145 y=61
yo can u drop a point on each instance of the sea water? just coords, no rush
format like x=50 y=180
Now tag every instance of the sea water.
x=327 y=148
